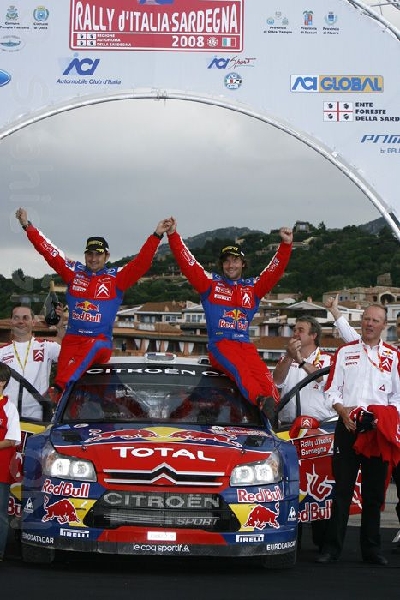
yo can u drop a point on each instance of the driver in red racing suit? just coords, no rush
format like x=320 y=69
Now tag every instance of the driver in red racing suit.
x=230 y=303
x=94 y=294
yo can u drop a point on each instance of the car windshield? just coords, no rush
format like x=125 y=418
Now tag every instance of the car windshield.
x=143 y=395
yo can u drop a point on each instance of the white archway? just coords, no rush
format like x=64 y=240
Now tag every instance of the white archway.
x=344 y=105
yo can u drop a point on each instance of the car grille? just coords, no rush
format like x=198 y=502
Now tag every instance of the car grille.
x=163 y=475
x=117 y=508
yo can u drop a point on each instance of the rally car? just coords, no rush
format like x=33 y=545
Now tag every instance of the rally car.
x=159 y=455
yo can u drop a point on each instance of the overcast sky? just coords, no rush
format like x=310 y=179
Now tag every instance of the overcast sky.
x=117 y=168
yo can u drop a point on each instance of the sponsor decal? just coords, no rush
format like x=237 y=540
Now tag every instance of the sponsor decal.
x=314 y=511
x=41 y=14
x=79 y=69
x=232 y=63
x=128 y=451
x=103 y=290
x=41 y=539
x=84 y=316
x=161 y=500
x=292 y=514
x=250 y=538
x=388 y=142
x=11 y=43
x=96 y=435
x=263 y=495
x=66 y=488
x=338 y=112
x=161 y=536
x=360 y=84
x=63 y=511
x=5 y=78
x=261 y=516
x=315 y=446
x=87 y=306
x=74 y=533
x=28 y=508
x=161 y=548
x=318 y=486
x=83 y=66
x=38 y=355
x=233 y=81
x=202 y=436
x=14 y=507
x=281 y=545
x=190 y=25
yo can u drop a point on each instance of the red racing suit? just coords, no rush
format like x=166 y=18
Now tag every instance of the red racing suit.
x=229 y=307
x=93 y=300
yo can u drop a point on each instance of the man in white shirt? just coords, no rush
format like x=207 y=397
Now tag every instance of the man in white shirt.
x=364 y=374
x=348 y=334
x=32 y=358
x=303 y=357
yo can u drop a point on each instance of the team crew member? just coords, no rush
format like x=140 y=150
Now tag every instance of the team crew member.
x=94 y=294
x=229 y=303
x=303 y=357
x=10 y=436
x=348 y=334
x=32 y=358
x=364 y=376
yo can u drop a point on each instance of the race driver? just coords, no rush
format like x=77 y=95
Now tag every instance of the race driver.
x=229 y=303
x=94 y=294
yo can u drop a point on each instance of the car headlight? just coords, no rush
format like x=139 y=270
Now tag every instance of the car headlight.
x=257 y=473
x=67 y=467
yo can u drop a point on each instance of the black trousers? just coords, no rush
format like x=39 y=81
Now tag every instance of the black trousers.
x=396 y=479
x=373 y=475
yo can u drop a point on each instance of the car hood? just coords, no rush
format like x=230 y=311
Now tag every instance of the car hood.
x=148 y=447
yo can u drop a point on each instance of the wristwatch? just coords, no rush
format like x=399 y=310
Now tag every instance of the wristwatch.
x=158 y=235
x=24 y=227
x=301 y=365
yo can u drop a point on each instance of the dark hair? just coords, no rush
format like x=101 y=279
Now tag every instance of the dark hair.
x=5 y=373
x=315 y=327
x=23 y=306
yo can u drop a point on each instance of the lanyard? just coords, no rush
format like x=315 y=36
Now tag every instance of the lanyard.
x=378 y=366
x=26 y=355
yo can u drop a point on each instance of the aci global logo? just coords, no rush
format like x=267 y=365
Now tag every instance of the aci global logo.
x=4 y=78
x=360 y=84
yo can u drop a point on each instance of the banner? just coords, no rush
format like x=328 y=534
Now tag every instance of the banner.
x=327 y=75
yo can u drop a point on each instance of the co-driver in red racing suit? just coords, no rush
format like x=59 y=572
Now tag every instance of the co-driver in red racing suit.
x=93 y=299
x=229 y=307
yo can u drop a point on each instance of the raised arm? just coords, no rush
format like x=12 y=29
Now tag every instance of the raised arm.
x=54 y=257
x=138 y=266
x=189 y=266
x=346 y=331
x=275 y=269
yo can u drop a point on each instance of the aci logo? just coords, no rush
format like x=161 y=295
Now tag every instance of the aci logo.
x=83 y=66
x=360 y=84
x=4 y=77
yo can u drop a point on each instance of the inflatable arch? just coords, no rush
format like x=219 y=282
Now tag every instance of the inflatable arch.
x=326 y=75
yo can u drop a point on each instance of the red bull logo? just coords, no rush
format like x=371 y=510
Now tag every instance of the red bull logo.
x=236 y=314
x=206 y=437
x=96 y=435
x=318 y=486
x=261 y=516
x=62 y=510
x=87 y=306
